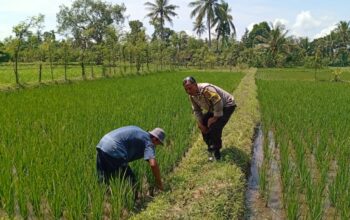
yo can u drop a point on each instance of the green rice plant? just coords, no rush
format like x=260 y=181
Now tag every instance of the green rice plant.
x=263 y=181
x=291 y=202
x=312 y=118
x=50 y=133
x=314 y=201
x=300 y=73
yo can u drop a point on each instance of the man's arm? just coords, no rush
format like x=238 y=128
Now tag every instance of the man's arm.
x=212 y=120
x=156 y=172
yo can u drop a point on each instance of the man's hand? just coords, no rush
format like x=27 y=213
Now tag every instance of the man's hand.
x=156 y=173
x=212 y=120
x=203 y=128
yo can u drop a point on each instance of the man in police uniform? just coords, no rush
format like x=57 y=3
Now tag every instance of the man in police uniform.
x=123 y=145
x=212 y=107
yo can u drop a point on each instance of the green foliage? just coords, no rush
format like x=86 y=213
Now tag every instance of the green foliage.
x=89 y=19
x=262 y=29
x=96 y=36
x=4 y=57
x=48 y=136
x=313 y=138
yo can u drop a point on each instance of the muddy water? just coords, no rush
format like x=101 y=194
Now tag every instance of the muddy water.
x=274 y=175
x=258 y=207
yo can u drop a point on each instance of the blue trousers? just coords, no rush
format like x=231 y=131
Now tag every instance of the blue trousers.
x=109 y=167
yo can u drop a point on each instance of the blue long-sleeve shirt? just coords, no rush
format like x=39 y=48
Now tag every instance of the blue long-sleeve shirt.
x=128 y=143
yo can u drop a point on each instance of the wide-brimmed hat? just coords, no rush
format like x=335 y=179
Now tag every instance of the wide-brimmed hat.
x=159 y=134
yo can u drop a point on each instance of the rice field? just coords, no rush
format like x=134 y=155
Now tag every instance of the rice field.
x=310 y=124
x=48 y=137
x=305 y=74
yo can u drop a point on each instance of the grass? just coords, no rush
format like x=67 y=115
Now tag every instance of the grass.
x=199 y=189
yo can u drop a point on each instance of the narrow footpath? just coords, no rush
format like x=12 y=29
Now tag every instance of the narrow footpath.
x=199 y=189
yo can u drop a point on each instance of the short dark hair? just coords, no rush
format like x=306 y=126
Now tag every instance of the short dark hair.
x=189 y=79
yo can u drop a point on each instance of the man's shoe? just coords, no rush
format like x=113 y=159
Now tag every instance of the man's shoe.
x=217 y=154
x=211 y=157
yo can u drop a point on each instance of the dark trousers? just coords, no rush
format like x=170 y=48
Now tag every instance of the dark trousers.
x=109 y=167
x=213 y=137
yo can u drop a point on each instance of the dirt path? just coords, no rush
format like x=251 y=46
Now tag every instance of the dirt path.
x=199 y=189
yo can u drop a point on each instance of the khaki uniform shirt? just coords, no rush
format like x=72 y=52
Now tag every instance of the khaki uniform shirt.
x=210 y=98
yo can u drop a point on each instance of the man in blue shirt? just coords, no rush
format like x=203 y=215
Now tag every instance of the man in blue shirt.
x=124 y=145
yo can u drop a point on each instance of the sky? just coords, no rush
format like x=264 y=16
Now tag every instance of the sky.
x=302 y=18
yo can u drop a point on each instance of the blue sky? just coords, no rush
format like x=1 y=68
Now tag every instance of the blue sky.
x=307 y=18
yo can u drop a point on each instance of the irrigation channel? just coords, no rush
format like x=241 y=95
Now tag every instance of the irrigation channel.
x=269 y=206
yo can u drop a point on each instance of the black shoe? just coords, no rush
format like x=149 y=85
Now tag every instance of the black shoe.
x=217 y=154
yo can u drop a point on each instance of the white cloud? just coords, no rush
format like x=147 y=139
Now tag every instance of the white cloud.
x=305 y=24
x=280 y=21
x=305 y=21
x=325 y=31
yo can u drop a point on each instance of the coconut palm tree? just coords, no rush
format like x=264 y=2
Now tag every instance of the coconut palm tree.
x=275 y=42
x=343 y=29
x=224 y=22
x=204 y=8
x=161 y=11
x=199 y=28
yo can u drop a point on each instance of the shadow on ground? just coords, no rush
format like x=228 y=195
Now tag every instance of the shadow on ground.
x=235 y=155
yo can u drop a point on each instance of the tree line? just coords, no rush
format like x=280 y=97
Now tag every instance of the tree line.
x=93 y=33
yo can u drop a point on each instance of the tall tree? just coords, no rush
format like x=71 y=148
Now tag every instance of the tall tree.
x=224 y=22
x=91 y=16
x=343 y=30
x=112 y=49
x=65 y=54
x=199 y=27
x=204 y=8
x=89 y=21
x=262 y=29
x=49 y=45
x=21 y=31
x=159 y=12
x=275 y=42
x=136 y=43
